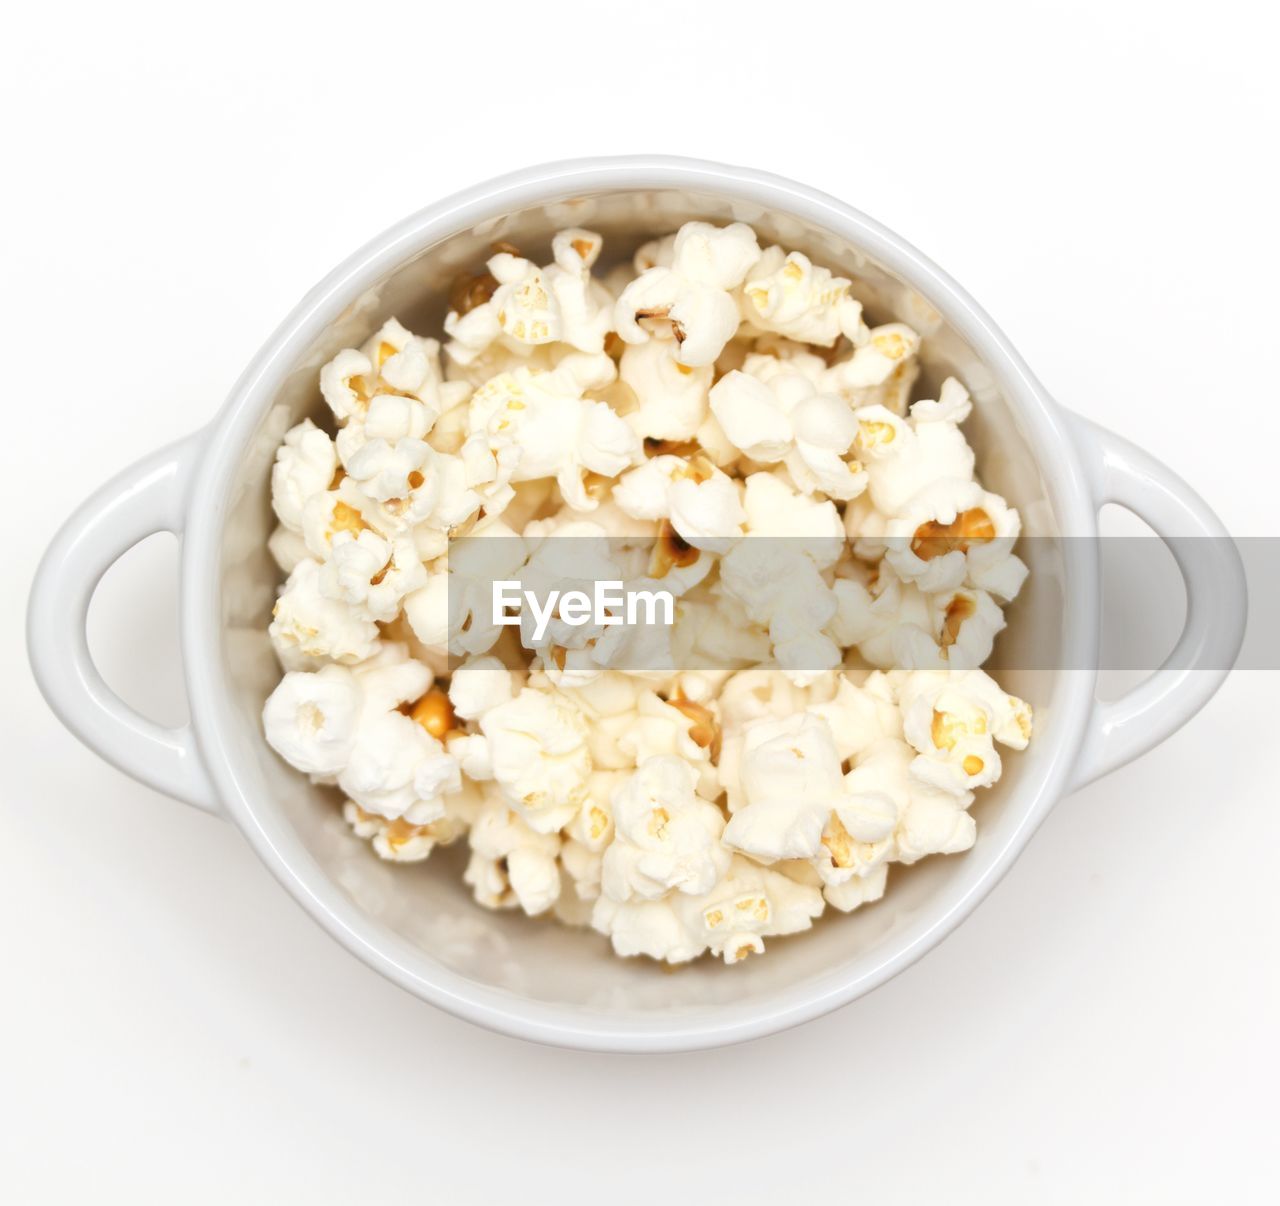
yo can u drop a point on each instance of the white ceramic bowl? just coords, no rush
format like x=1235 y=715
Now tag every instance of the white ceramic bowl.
x=417 y=925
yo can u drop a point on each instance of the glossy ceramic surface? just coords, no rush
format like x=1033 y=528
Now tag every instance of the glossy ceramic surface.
x=417 y=924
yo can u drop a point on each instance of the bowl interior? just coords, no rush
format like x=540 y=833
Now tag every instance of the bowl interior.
x=423 y=912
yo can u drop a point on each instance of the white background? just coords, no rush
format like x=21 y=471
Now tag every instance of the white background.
x=172 y=1028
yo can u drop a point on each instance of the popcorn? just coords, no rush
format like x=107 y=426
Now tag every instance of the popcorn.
x=397 y=768
x=774 y=509
x=683 y=424
x=667 y=839
x=388 y=419
x=937 y=822
x=449 y=431
x=859 y=890
x=715 y=445
x=520 y=311
x=538 y=747
x=646 y=927
x=753 y=416
x=411 y=487
x=904 y=458
x=391 y=679
x=453 y=612
x=586 y=307
x=996 y=569
x=781 y=589
x=672 y=396
x=859 y=716
x=386 y=471
x=642 y=492
x=325 y=515
x=618 y=632
x=592 y=826
x=310 y=719
x=960 y=633
x=566 y=668
x=824 y=430
x=860 y=838
x=877 y=616
x=796 y=805
x=749 y=904
x=772 y=411
x=753 y=694
x=880 y=371
x=792 y=784
x=678 y=728
x=471 y=752
x=304 y=466
x=769 y=355
x=530 y=306
x=760 y=692
x=930 y=820
x=410 y=365
x=393 y=361
x=675 y=563
x=367 y=571
x=701 y=502
x=525 y=425
x=343 y=726
x=400 y=841
x=690 y=301
x=607 y=705
x=481 y=367
x=712 y=629
x=953 y=721
x=657 y=253
x=576 y=558
x=586 y=837
x=789 y=295
x=720 y=256
x=777 y=580
x=511 y=864
x=309 y=627
x=583 y=867
x=932 y=541
x=575 y=251
x=479 y=686
x=343 y=385
x=865 y=528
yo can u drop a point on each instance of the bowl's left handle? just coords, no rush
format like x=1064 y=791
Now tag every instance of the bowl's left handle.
x=149 y=497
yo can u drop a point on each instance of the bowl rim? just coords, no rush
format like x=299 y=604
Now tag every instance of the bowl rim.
x=213 y=710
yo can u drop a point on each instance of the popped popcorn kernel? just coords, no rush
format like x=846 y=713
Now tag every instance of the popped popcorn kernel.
x=712 y=418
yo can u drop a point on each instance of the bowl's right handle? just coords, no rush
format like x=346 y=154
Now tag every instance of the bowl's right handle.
x=148 y=497
x=1122 y=729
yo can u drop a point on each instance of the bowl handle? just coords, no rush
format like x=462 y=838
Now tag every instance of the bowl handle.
x=1120 y=472
x=149 y=497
